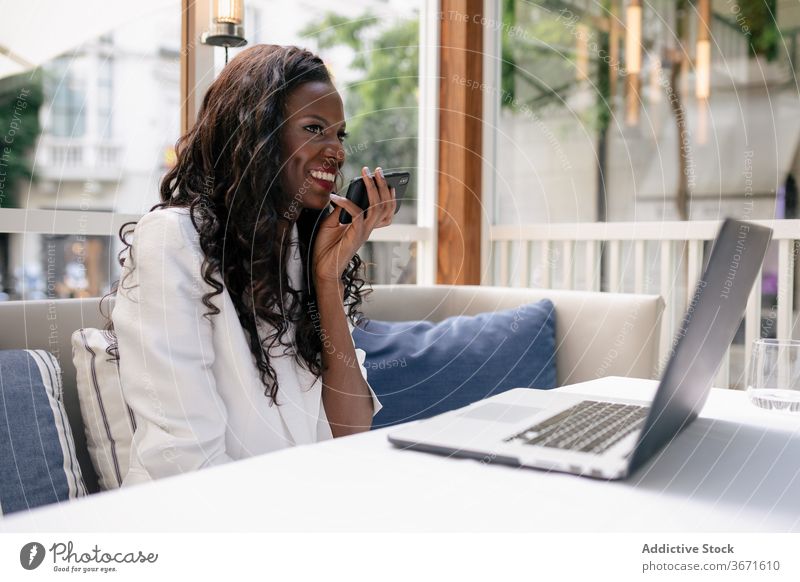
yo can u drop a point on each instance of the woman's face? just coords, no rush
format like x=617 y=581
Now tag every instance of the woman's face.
x=311 y=145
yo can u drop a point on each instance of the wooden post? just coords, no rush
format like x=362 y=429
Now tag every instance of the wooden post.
x=460 y=133
x=188 y=32
x=197 y=60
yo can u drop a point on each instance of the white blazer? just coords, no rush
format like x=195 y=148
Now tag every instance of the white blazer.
x=192 y=383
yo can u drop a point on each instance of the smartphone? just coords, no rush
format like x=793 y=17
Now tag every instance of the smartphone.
x=357 y=192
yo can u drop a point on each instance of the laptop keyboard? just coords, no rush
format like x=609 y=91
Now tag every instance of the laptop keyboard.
x=588 y=427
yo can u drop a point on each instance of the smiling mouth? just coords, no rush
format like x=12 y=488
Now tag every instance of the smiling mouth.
x=325 y=180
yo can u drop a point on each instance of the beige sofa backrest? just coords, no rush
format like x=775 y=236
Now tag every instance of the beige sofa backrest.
x=598 y=334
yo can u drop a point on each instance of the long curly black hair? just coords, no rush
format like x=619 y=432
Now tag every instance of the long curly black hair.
x=227 y=175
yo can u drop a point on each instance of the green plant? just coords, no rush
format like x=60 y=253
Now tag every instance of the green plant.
x=757 y=19
x=21 y=97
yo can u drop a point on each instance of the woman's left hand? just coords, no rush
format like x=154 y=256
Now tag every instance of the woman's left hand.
x=336 y=243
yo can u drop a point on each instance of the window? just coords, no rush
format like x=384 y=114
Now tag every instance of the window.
x=108 y=118
x=697 y=121
x=646 y=113
x=66 y=91
x=372 y=50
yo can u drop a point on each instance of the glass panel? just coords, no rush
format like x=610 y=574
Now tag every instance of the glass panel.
x=109 y=115
x=96 y=130
x=390 y=262
x=71 y=266
x=698 y=120
x=66 y=92
x=548 y=111
x=624 y=110
x=371 y=47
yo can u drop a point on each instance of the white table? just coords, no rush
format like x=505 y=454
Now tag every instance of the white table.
x=735 y=469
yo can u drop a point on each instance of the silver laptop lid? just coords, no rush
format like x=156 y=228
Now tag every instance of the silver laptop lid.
x=709 y=325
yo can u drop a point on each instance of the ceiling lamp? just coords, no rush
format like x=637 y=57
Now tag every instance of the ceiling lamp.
x=226 y=26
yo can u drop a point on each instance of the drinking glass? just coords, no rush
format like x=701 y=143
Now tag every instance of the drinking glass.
x=774 y=379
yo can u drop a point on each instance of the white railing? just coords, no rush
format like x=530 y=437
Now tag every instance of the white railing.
x=645 y=257
x=103 y=223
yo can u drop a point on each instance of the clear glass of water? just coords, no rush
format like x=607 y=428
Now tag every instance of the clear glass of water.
x=774 y=381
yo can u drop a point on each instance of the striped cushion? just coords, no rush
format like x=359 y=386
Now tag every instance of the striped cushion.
x=108 y=421
x=38 y=464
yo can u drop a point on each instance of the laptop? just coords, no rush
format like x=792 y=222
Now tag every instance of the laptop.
x=610 y=438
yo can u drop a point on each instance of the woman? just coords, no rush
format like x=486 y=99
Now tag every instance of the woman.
x=231 y=316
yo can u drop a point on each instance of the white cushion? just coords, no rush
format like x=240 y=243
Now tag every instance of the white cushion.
x=108 y=421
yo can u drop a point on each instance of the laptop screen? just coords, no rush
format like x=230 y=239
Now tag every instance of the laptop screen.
x=707 y=330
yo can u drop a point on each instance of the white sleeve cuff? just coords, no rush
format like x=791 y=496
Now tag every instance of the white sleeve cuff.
x=376 y=404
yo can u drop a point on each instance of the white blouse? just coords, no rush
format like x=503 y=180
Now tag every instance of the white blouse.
x=193 y=384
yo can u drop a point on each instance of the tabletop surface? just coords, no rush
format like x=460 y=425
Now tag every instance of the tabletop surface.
x=734 y=469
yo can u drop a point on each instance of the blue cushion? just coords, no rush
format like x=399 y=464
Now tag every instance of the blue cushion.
x=38 y=464
x=419 y=368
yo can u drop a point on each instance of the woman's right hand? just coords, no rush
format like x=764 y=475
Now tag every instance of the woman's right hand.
x=336 y=243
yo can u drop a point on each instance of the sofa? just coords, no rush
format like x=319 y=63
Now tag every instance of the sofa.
x=597 y=334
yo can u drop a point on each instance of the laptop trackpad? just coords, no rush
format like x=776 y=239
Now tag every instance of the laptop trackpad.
x=497 y=412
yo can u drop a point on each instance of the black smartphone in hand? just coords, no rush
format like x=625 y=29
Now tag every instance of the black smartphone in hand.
x=357 y=192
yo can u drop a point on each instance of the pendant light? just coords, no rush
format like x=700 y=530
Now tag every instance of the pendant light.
x=226 y=25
